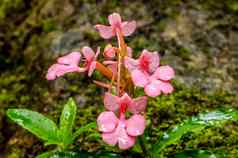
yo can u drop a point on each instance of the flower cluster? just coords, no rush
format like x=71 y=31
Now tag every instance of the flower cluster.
x=124 y=118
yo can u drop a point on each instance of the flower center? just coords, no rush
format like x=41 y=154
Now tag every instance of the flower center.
x=144 y=63
x=123 y=108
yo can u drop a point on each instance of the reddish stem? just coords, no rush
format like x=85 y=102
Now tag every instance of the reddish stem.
x=104 y=70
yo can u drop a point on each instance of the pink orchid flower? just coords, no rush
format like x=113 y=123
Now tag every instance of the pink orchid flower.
x=114 y=103
x=120 y=130
x=65 y=64
x=147 y=73
x=69 y=63
x=90 y=59
x=116 y=24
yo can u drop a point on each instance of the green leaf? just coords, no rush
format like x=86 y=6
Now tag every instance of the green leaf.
x=198 y=154
x=194 y=124
x=36 y=123
x=45 y=155
x=80 y=154
x=67 y=121
x=85 y=128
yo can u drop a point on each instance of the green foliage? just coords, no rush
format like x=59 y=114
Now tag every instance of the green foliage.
x=47 y=130
x=36 y=123
x=81 y=154
x=197 y=154
x=67 y=121
x=194 y=124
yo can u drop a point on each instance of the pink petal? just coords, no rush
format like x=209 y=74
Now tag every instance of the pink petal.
x=109 y=138
x=57 y=70
x=164 y=73
x=70 y=59
x=97 y=53
x=129 y=51
x=107 y=121
x=153 y=89
x=135 y=126
x=165 y=87
x=105 y=32
x=138 y=105
x=88 y=53
x=125 y=100
x=124 y=140
x=109 y=52
x=128 y=27
x=114 y=19
x=111 y=102
x=139 y=78
x=131 y=64
x=92 y=67
x=151 y=58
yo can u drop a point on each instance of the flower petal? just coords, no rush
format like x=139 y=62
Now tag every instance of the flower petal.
x=139 y=78
x=88 y=53
x=164 y=73
x=153 y=89
x=109 y=51
x=124 y=140
x=165 y=87
x=107 y=121
x=129 y=51
x=92 y=67
x=111 y=102
x=105 y=32
x=70 y=59
x=114 y=19
x=57 y=70
x=125 y=99
x=138 y=105
x=130 y=63
x=150 y=58
x=110 y=138
x=135 y=126
x=128 y=27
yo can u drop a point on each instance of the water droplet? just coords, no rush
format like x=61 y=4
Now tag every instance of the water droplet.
x=66 y=114
x=166 y=136
x=175 y=129
x=212 y=156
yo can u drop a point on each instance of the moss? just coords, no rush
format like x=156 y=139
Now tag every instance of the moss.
x=6 y=6
x=49 y=25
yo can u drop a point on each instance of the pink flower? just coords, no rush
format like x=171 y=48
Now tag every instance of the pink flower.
x=70 y=63
x=65 y=64
x=147 y=73
x=116 y=24
x=90 y=59
x=114 y=103
x=120 y=130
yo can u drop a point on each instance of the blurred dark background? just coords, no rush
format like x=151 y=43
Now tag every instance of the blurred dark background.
x=198 y=38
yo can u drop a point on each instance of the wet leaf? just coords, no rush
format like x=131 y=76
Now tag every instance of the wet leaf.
x=67 y=120
x=197 y=154
x=194 y=124
x=36 y=123
x=80 y=154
